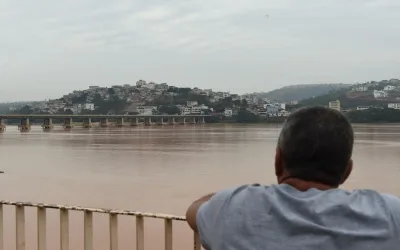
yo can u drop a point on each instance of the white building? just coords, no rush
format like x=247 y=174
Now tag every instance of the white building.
x=215 y=99
x=12 y=108
x=77 y=108
x=283 y=113
x=146 y=110
x=360 y=87
x=88 y=106
x=228 y=112
x=379 y=94
x=276 y=106
x=150 y=85
x=335 y=105
x=194 y=110
x=262 y=111
x=192 y=103
x=363 y=107
x=186 y=110
x=389 y=88
x=394 y=105
x=140 y=83
x=226 y=94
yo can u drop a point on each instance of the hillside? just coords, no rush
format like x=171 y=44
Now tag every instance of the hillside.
x=300 y=92
x=360 y=95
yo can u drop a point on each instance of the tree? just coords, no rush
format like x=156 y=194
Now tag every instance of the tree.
x=374 y=115
x=69 y=112
x=245 y=116
x=184 y=91
x=26 y=110
x=236 y=103
x=111 y=91
x=79 y=99
x=244 y=104
x=86 y=111
x=169 y=110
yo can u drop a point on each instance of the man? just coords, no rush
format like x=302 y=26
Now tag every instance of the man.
x=306 y=209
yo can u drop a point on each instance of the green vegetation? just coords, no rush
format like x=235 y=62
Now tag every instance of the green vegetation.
x=245 y=116
x=115 y=105
x=345 y=101
x=300 y=92
x=169 y=110
x=374 y=116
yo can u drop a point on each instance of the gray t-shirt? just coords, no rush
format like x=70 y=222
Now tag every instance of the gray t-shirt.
x=281 y=217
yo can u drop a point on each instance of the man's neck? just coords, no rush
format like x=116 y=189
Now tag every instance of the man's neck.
x=302 y=185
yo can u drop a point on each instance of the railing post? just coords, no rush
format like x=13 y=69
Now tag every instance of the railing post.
x=41 y=228
x=168 y=234
x=139 y=233
x=197 y=244
x=64 y=229
x=88 y=226
x=20 y=227
x=88 y=231
x=1 y=227
x=113 y=231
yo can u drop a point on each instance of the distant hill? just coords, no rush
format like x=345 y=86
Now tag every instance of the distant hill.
x=300 y=92
x=361 y=94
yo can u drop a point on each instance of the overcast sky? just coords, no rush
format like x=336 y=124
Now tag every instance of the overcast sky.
x=49 y=48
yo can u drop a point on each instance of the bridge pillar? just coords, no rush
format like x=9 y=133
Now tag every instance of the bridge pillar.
x=183 y=121
x=193 y=120
x=104 y=123
x=24 y=125
x=161 y=121
x=2 y=125
x=120 y=122
x=47 y=124
x=147 y=121
x=171 y=121
x=87 y=123
x=134 y=121
x=201 y=120
x=68 y=123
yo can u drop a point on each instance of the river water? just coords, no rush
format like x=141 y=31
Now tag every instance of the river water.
x=156 y=169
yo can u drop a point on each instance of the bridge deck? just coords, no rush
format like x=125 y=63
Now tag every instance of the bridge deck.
x=20 y=116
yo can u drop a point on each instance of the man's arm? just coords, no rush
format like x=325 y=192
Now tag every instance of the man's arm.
x=191 y=213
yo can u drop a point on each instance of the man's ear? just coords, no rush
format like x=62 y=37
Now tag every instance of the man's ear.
x=348 y=171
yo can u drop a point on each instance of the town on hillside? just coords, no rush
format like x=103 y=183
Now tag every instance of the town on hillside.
x=369 y=95
x=149 y=98
x=374 y=101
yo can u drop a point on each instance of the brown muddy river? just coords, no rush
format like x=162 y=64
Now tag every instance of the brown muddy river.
x=156 y=169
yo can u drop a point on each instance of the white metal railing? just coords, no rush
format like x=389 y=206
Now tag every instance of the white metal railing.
x=88 y=225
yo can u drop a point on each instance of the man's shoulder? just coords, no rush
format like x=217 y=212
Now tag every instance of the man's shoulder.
x=369 y=197
x=375 y=195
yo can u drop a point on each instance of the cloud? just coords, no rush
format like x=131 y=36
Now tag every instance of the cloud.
x=218 y=43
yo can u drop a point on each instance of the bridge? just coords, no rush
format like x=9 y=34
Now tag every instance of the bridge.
x=120 y=120
x=113 y=216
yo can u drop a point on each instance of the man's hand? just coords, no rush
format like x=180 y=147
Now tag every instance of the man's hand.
x=191 y=213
